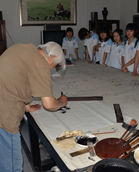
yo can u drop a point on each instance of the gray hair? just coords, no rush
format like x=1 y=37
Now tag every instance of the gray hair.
x=52 y=48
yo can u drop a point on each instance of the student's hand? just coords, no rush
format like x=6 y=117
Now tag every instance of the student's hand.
x=124 y=68
x=78 y=58
x=90 y=62
x=98 y=46
x=134 y=73
x=87 y=59
x=103 y=64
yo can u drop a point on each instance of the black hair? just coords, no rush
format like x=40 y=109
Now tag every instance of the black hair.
x=120 y=32
x=69 y=29
x=131 y=26
x=104 y=30
x=83 y=33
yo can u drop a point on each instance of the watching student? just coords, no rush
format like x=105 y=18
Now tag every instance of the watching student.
x=116 y=49
x=130 y=48
x=91 y=40
x=103 y=48
x=70 y=44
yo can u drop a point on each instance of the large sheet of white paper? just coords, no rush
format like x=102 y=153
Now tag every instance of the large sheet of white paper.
x=82 y=115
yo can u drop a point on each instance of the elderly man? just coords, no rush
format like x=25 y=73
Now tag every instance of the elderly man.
x=25 y=72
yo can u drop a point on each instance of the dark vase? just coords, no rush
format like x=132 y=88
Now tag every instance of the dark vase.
x=105 y=13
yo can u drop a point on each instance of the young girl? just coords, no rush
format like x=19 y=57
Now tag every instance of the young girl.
x=70 y=45
x=128 y=55
x=103 y=47
x=116 y=49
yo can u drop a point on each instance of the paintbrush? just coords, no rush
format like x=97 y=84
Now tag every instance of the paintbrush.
x=134 y=142
x=133 y=132
x=106 y=132
x=125 y=125
x=130 y=130
x=64 y=137
x=132 y=138
x=128 y=151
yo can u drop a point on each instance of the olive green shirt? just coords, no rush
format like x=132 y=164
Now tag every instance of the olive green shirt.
x=24 y=73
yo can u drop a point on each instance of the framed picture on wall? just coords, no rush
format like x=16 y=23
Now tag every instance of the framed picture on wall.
x=42 y=12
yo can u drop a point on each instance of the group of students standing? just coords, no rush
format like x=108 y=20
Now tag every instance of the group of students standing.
x=119 y=54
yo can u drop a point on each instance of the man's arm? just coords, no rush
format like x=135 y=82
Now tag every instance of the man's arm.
x=53 y=104
x=50 y=103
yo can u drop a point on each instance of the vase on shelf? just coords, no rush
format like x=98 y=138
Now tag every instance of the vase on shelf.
x=105 y=13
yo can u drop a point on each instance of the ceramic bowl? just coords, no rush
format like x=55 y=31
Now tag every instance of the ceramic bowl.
x=82 y=140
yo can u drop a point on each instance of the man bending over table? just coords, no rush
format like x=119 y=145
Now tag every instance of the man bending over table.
x=25 y=72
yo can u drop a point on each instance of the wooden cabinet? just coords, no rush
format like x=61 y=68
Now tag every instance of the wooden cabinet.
x=3 y=42
x=95 y=25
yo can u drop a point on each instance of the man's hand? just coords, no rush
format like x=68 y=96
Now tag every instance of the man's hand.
x=63 y=99
x=32 y=108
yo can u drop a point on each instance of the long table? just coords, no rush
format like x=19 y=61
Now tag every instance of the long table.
x=82 y=79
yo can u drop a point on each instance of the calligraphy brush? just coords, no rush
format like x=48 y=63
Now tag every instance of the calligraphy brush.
x=134 y=142
x=127 y=138
x=130 y=130
x=125 y=125
x=132 y=138
x=128 y=151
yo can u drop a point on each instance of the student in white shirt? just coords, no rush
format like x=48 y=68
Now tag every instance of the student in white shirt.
x=116 y=49
x=91 y=40
x=103 y=48
x=128 y=55
x=70 y=45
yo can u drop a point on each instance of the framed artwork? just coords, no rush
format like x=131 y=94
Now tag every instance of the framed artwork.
x=42 y=12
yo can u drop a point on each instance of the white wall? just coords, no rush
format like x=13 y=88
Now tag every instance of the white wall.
x=31 y=34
